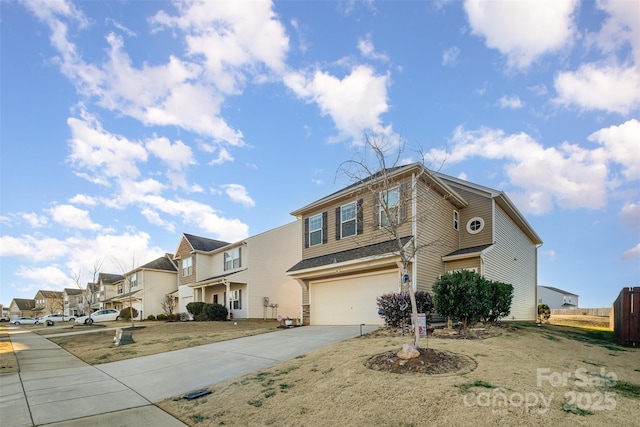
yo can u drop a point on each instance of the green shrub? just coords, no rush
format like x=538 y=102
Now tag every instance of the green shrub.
x=196 y=308
x=216 y=312
x=126 y=313
x=151 y=317
x=395 y=308
x=500 y=296
x=162 y=316
x=462 y=296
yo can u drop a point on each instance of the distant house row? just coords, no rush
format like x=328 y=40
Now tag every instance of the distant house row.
x=329 y=265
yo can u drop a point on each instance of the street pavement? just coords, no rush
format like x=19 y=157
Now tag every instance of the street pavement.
x=55 y=388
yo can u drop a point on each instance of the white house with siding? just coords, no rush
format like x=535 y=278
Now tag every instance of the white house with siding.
x=349 y=259
x=248 y=277
x=557 y=298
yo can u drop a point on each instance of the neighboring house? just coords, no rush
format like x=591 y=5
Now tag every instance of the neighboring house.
x=20 y=307
x=145 y=288
x=556 y=298
x=48 y=302
x=73 y=302
x=108 y=285
x=348 y=259
x=248 y=277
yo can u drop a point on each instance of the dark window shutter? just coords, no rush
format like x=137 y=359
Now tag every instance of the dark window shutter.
x=376 y=210
x=338 y=223
x=239 y=299
x=239 y=257
x=325 y=217
x=403 y=203
x=306 y=232
x=359 y=217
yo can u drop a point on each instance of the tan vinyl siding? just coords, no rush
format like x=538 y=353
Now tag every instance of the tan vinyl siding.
x=463 y=264
x=268 y=256
x=479 y=206
x=434 y=222
x=184 y=251
x=513 y=260
x=371 y=232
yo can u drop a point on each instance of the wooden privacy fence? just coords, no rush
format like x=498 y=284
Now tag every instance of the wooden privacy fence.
x=626 y=316
x=603 y=312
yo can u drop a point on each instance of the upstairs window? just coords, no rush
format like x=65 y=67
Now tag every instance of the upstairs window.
x=456 y=220
x=187 y=267
x=348 y=220
x=134 y=280
x=391 y=200
x=232 y=259
x=315 y=230
x=475 y=225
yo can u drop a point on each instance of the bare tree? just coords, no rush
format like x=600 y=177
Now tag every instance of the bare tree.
x=168 y=305
x=373 y=172
x=88 y=294
x=129 y=284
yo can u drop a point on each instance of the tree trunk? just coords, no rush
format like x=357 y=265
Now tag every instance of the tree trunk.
x=414 y=316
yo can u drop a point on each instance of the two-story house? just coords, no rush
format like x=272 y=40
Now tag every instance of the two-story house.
x=557 y=298
x=248 y=277
x=108 y=286
x=349 y=257
x=48 y=302
x=73 y=302
x=143 y=288
x=21 y=307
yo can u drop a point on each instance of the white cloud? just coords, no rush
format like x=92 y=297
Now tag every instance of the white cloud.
x=154 y=218
x=72 y=217
x=35 y=220
x=630 y=215
x=510 y=102
x=621 y=144
x=355 y=103
x=366 y=48
x=632 y=253
x=177 y=156
x=450 y=56
x=610 y=88
x=83 y=199
x=567 y=175
x=238 y=193
x=103 y=154
x=49 y=277
x=621 y=27
x=523 y=30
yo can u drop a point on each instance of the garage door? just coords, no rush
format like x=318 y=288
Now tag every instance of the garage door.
x=350 y=301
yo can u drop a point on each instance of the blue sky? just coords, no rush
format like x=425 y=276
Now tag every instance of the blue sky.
x=126 y=123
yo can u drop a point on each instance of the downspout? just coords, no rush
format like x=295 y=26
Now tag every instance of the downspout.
x=227 y=284
x=414 y=229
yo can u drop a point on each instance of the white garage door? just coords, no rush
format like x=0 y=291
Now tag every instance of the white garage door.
x=350 y=301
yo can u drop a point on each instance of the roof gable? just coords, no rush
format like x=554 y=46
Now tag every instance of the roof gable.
x=551 y=288
x=203 y=244
x=162 y=263
x=392 y=174
x=109 y=278
x=25 y=304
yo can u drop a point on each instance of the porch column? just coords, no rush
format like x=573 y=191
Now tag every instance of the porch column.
x=227 y=285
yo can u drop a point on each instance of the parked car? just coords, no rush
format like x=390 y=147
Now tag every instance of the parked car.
x=57 y=318
x=106 y=315
x=25 y=321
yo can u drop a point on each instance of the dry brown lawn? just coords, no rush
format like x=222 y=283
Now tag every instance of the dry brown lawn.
x=152 y=337
x=525 y=376
x=333 y=387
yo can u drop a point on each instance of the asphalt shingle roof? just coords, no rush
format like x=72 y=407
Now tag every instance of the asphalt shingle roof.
x=470 y=250
x=203 y=244
x=363 y=252
x=162 y=263
x=559 y=290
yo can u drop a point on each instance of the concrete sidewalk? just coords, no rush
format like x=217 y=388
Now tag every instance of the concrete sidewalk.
x=55 y=388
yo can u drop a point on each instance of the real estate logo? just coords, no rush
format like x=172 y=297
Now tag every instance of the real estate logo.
x=536 y=402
